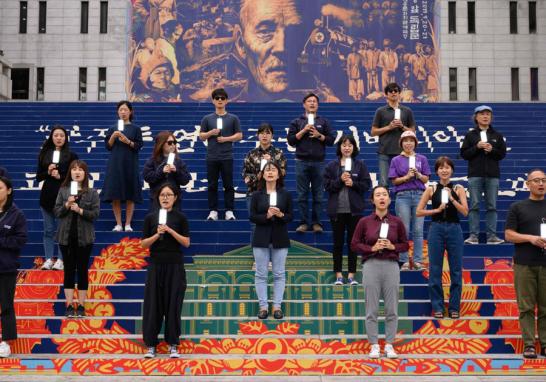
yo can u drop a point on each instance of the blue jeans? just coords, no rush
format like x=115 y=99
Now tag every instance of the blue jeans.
x=441 y=237
x=277 y=256
x=50 y=228
x=489 y=187
x=309 y=174
x=406 y=207
x=384 y=162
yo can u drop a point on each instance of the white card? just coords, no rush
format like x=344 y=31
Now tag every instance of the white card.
x=445 y=196
x=348 y=164
x=397 y=114
x=73 y=188
x=219 y=123
x=56 y=157
x=273 y=199
x=262 y=164
x=310 y=119
x=121 y=124
x=162 y=216
x=483 y=136
x=412 y=161
x=543 y=230
x=170 y=159
x=384 y=231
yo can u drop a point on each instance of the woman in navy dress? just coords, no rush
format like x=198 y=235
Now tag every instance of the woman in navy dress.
x=122 y=181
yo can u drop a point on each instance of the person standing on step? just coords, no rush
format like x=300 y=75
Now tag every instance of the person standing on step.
x=310 y=134
x=166 y=231
x=389 y=122
x=379 y=238
x=526 y=228
x=53 y=161
x=346 y=180
x=13 y=237
x=122 y=181
x=444 y=234
x=409 y=172
x=77 y=207
x=220 y=129
x=483 y=148
x=159 y=169
x=271 y=211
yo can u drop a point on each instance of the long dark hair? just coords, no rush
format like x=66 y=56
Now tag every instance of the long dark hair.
x=280 y=181
x=49 y=146
x=160 y=139
x=9 y=186
x=81 y=164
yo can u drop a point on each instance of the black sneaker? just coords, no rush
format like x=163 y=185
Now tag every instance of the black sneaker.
x=278 y=314
x=80 y=311
x=70 y=312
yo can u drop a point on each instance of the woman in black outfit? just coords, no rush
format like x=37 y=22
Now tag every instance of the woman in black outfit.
x=166 y=277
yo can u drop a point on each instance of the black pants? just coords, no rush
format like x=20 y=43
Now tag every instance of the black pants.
x=215 y=168
x=163 y=299
x=344 y=223
x=76 y=259
x=7 y=310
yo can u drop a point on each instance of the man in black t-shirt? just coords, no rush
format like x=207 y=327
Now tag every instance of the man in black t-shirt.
x=526 y=228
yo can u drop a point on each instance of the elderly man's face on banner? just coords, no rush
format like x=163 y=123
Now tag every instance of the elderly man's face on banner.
x=266 y=26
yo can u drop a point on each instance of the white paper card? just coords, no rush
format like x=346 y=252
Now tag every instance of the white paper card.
x=262 y=164
x=170 y=159
x=384 y=231
x=397 y=114
x=162 y=216
x=483 y=136
x=219 y=123
x=445 y=196
x=310 y=119
x=56 y=157
x=273 y=199
x=348 y=164
x=412 y=161
x=121 y=125
x=543 y=230
x=73 y=188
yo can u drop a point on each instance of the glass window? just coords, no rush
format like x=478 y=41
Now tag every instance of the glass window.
x=42 y=16
x=83 y=84
x=515 y=84
x=102 y=84
x=84 y=17
x=471 y=16
x=472 y=85
x=451 y=17
x=532 y=17
x=453 y=84
x=23 y=8
x=104 y=17
x=40 y=83
x=534 y=84
x=513 y=17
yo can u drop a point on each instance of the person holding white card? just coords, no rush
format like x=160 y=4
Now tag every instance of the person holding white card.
x=166 y=232
x=310 y=134
x=526 y=228
x=271 y=211
x=379 y=238
x=409 y=172
x=164 y=166
x=53 y=161
x=77 y=207
x=122 y=181
x=220 y=129
x=346 y=180
x=483 y=147
x=444 y=234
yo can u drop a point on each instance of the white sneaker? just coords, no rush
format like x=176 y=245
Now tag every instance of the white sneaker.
x=128 y=228
x=213 y=215
x=150 y=353
x=405 y=266
x=47 y=265
x=5 y=350
x=375 y=352
x=117 y=228
x=229 y=215
x=58 y=266
x=173 y=351
x=389 y=351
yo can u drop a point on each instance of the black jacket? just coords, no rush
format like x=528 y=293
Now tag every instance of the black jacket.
x=13 y=237
x=307 y=148
x=480 y=163
x=154 y=175
x=333 y=185
x=51 y=186
x=272 y=231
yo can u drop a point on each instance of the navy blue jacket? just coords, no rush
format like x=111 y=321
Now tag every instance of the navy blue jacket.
x=333 y=185
x=307 y=148
x=4 y=172
x=154 y=175
x=13 y=237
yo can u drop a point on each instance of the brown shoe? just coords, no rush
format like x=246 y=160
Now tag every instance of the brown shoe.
x=317 y=228
x=302 y=228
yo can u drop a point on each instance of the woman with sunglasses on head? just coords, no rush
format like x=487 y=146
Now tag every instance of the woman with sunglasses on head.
x=444 y=233
x=158 y=170
x=122 y=180
x=77 y=207
x=166 y=232
x=53 y=161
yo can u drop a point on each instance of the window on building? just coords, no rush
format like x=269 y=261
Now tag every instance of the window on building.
x=451 y=17
x=84 y=17
x=534 y=84
x=40 y=83
x=532 y=17
x=453 y=84
x=102 y=84
x=83 y=84
x=471 y=16
x=104 y=17
x=42 y=16
x=515 y=84
x=472 y=85
x=23 y=9
x=19 y=83
x=513 y=17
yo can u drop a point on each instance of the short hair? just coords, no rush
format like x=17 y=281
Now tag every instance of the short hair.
x=343 y=139
x=309 y=95
x=9 y=186
x=265 y=126
x=392 y=86
x=375 y=188
x=220 y=92
x=534 y=170
x=443 y=160
x=173 y=188
x=129 y=106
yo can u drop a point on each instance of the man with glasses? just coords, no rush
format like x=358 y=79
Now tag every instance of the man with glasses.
x=220 y=129
x=526 y=228
x=389 y=126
